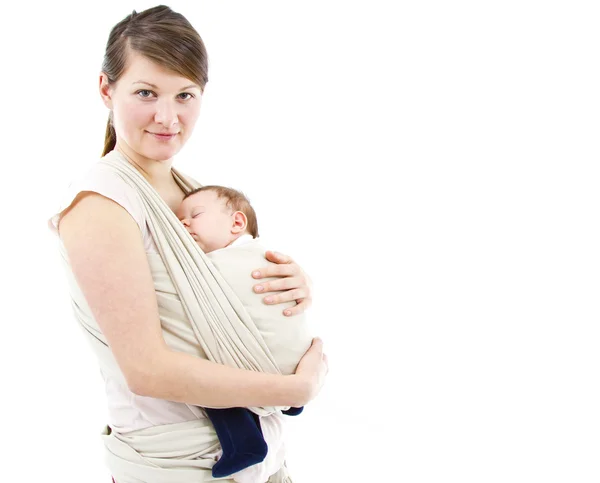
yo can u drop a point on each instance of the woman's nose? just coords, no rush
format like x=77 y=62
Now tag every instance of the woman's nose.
x=166 y=113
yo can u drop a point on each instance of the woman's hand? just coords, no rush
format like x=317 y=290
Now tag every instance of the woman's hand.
x=311 y=371
x=294 y=283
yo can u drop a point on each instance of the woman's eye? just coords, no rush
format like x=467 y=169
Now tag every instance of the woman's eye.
x=186 y=94
x=144 y=93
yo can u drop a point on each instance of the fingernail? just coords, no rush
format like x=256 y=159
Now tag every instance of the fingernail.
x=286 y=312
x=259 y=288
x=256 y=274
x=269 y=300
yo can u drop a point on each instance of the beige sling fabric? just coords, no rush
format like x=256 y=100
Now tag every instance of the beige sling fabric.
x=200 y=314
x=169 y=453
x=172 y=453
x=282 y=476
x=221 y=324
x=287 y=338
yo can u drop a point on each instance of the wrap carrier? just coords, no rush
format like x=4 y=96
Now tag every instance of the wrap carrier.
x=200 y=314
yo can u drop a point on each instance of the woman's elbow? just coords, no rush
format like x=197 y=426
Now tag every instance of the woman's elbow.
x=138 y=386
x=147 y=385
x=146 y=381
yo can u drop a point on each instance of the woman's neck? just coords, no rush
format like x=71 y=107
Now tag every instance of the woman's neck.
x=157 y=173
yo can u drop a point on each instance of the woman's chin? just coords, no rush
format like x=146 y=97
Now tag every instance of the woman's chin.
x=161 y=153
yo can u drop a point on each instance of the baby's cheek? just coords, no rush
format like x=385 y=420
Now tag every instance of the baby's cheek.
x=196 y=227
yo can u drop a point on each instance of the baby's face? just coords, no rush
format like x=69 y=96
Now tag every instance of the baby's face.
x=208 y=219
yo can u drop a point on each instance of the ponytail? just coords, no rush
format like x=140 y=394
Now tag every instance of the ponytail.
x=110 y=139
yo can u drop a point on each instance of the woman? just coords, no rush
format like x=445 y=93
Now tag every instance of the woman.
x=157 y=379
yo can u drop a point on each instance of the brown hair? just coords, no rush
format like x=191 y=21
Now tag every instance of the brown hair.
x=162 y=36
x=236 y=200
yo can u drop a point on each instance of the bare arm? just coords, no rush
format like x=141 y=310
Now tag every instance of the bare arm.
x=107 y=257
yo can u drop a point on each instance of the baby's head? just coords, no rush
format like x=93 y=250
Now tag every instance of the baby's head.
x=215 y=216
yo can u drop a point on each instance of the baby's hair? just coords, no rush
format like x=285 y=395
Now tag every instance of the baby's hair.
x=236 y=200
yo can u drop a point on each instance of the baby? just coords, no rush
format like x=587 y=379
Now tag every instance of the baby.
x=224 y=225
x=217 y=216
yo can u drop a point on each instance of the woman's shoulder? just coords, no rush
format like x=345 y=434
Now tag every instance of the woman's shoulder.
x=103 y=179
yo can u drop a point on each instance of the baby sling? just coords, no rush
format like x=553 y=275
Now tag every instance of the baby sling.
x=221 y=327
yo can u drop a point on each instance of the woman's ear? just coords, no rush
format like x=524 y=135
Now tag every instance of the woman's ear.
x=240 y=222
x=105 y=90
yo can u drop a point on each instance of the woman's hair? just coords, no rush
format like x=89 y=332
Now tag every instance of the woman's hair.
x=236 y=201
x=162 y=36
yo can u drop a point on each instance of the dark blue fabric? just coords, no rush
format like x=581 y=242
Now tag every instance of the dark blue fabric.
x=293 y=411
x=241 y=438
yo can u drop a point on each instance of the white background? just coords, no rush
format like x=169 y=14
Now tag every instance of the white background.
x=434 y=168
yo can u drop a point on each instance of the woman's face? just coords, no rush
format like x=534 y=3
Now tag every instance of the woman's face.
x=154 y=110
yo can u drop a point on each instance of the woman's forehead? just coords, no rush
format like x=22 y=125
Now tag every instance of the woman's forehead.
x=140 y=70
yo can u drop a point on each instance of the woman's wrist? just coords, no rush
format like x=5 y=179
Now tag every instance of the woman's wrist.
x=299 y=390
x=181 y=377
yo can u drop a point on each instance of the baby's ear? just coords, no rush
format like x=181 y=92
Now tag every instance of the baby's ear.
x=240 y=222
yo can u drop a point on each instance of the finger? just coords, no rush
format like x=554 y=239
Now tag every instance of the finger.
x=287 y=296
x=300 y=307
x=285 y=270
x=314 y=351
x=287 y=283
x=277 y=257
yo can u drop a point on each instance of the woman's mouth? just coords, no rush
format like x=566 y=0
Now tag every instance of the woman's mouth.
x=163 y=137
